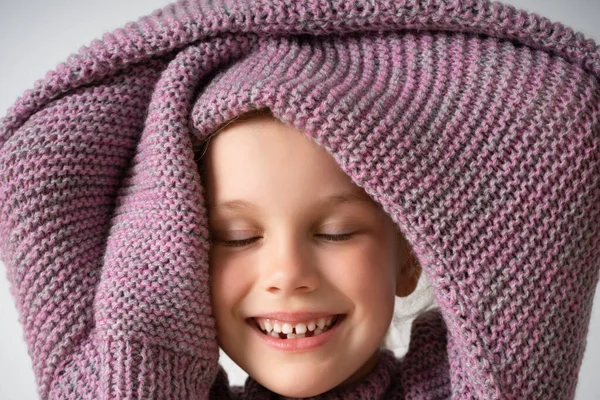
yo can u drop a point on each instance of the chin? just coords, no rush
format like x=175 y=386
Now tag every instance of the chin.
x=300 y=385
x=299 y=391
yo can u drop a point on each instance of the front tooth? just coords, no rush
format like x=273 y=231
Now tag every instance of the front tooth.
x=301 y=328
x=277 y=327
x=321 y=323
x=311 y=326
x=268 y=326
x=291 y=336
x=287 y=328
x=300 y=336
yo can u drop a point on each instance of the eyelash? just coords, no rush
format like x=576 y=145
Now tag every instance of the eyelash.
x=244 y=242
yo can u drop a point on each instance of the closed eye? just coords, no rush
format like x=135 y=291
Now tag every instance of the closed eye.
x=244 y=242
x=239 y=243
x=337 y=238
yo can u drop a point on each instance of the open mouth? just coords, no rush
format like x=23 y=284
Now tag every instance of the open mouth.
x=285 y=330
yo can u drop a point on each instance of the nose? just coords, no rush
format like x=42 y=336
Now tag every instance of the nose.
x=290 y=268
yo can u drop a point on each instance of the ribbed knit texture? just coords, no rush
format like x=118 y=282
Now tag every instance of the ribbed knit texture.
x=475 y=126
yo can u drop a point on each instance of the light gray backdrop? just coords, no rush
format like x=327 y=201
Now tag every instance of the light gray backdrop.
x=35 y=35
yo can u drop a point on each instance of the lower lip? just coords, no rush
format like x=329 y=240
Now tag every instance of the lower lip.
x=301 y=344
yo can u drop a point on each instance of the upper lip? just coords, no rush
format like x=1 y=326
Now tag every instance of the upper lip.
x=295 y=316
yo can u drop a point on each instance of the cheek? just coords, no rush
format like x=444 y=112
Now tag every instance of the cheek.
x=230 y=281
x=363 y=271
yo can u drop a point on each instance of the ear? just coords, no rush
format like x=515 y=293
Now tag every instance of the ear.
x=409 y=269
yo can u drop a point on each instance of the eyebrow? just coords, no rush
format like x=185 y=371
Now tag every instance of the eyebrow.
x=328 y=201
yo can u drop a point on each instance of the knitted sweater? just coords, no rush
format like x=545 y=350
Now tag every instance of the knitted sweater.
x=474 y=125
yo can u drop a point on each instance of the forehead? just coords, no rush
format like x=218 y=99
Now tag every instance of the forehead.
x=262 y=159
x=268 y=150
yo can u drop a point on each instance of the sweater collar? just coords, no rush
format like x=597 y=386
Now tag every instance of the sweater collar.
x=373 y=386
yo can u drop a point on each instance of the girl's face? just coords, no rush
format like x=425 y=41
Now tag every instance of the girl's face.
x=294 y=241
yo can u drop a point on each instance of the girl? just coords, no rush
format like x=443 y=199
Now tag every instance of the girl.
x=458 y=139
x=311 y=288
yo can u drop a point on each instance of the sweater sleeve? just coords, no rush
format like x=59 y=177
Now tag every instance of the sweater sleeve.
x=507 y=232
x=424 y=372
x=105 y=314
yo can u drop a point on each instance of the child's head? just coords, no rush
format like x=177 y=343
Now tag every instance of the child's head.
x=293 y=235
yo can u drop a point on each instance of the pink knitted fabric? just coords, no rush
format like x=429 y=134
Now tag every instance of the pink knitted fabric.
x=475 y=126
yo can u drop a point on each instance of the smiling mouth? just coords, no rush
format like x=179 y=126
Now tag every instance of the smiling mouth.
x=284 y=330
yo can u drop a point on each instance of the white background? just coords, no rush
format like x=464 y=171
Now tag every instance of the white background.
x=35 y=35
